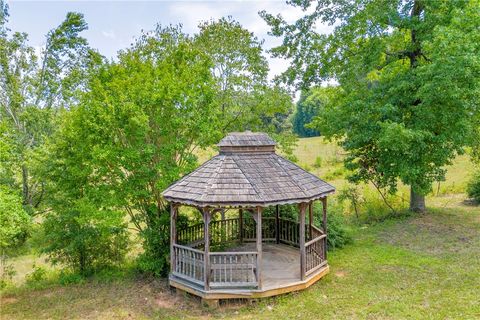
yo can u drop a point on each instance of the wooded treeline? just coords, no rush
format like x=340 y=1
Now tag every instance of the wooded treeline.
x=88 y=144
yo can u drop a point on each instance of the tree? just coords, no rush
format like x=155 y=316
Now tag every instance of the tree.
x=245 y=98
x=33 y=88
x=309 y=106
x=135 y=132
x=409 y=77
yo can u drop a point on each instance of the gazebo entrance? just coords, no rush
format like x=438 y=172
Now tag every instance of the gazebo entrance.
x=252 y=253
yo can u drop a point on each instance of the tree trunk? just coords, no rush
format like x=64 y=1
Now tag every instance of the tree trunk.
x=417 y=201
x=25 y=189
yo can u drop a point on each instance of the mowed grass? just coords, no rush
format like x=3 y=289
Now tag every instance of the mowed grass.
x=413 y=267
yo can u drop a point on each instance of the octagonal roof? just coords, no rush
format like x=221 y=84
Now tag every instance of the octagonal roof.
x=247 y=172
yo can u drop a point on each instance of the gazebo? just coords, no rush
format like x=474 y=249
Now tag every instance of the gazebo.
x=252 y=254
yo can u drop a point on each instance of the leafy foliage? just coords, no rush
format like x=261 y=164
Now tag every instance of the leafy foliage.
x=409 y=74
x=32 y=88
x=309 y=106
x=473 y=187
x=14 y=220
x=135 y=132
x=85 y=238
x=244 y=97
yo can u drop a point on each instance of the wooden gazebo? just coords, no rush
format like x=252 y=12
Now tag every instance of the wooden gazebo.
x=250 y=255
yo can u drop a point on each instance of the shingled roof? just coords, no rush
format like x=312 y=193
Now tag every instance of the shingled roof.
x=247 y=172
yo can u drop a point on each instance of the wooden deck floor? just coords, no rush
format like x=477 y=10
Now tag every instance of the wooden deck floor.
x=280 y=274
x=280 y=264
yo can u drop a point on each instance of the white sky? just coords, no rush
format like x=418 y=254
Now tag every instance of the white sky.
x=114 y=24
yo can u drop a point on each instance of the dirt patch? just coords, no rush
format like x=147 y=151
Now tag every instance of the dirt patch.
x=8 y=300
x=340 y=274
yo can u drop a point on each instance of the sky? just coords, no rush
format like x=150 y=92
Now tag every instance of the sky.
x=113 y=25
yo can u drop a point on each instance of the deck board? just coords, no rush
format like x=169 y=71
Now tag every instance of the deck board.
x=280 y=264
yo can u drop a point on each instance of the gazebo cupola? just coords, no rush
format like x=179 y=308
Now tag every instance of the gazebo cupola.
x=244 y=178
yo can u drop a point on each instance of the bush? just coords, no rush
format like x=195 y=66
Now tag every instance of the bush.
x=85 y=238
x=37 y=275
x=338 y=233
x=473 y=187
x=318 y=162
x=67 y=278
x=15 y=223
x=155 y=259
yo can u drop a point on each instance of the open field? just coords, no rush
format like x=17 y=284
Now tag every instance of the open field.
x=414 y=266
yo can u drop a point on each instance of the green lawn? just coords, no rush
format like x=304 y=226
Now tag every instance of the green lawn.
x=416 y=267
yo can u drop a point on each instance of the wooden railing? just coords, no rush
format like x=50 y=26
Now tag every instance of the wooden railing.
x=222 y=231
x=189 y=264
x=228 y=230
x=315 y=253
x=233 y=269
x=240 y=269
x=289 y=232
x=191 y=236
x=250 y=230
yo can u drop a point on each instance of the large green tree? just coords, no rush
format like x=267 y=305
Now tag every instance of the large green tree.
x=134 y=132
x=245 y=97
x=33 y=87
x=409 y=73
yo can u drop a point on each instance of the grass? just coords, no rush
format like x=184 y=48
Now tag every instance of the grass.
x=415 y=266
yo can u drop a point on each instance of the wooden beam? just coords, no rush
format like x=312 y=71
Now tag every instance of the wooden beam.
x=277 y=224
x=206 y=257
x=259 y=246
x=324 y=222
x=310 y=220
x=240 y=224
x=173 y=234
x=301 y=235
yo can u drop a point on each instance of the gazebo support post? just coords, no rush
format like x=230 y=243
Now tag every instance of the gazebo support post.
x=302 y=240
x=240 y=224
x=258 y=220
x=310 y=220
x=324 y=222
x=277 y=224
x=206 y=258
x=173 y=234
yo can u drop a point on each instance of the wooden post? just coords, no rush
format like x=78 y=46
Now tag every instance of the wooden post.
x=324 y=222
x=302 y=240
x=240 y=224
x=206 y=258
x=258 y=216
x=173 y=234
x=310 y=220
x=277 y=224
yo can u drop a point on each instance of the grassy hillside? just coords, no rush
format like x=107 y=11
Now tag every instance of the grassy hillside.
x=413 y=266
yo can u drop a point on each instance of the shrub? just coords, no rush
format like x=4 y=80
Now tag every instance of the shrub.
x=337 y=229
x=473 y=187
x=37 y=275
x=351 y=194
x=155 y=258
x=67 y=278
x=85 y=238
x=338 y=232
x=14 y=220
x=318 y=162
